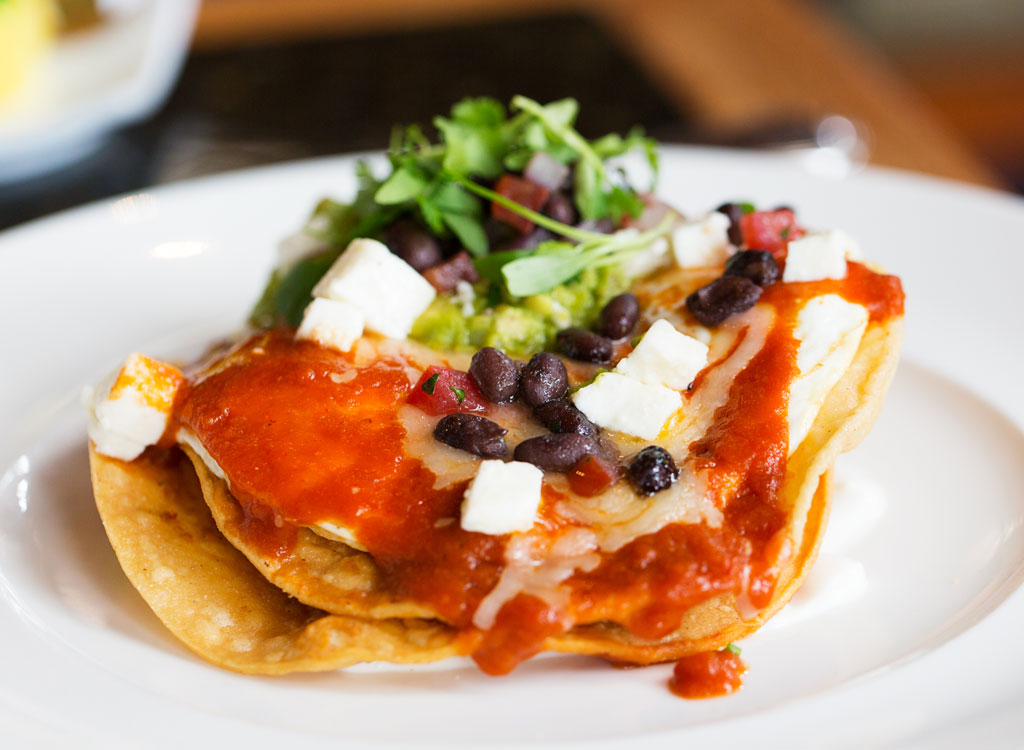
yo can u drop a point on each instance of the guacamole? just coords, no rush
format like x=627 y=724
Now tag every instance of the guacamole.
x=518 y=326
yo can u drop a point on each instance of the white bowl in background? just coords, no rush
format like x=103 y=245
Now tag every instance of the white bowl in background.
x=93 y=82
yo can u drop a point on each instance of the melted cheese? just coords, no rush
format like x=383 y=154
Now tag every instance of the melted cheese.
x=536 y=565
x=326 y=529
x=829 y=330
x=187 y=437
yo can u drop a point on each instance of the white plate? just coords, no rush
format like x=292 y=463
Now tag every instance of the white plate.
x=92 y=82
x=908 y=631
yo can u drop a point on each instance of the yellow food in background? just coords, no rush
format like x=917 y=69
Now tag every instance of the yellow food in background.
x=27 y=28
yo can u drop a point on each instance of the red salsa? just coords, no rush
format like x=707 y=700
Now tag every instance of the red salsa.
x=442 y=390
x=711 y=674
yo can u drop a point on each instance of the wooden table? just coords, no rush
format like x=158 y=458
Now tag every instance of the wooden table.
x=728 y=62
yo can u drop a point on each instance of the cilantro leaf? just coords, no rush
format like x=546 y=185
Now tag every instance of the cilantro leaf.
x=550 y=265
x=430 y=383
x=489 y=266
x=403 y=185
x=482 y=111
x=450 y=197
x=554 y=262
x=470 y=232
x=590 y=198
x=461 y=212
x=433 y=216
x=287 y=295
x=459 y=394
x=475 y=138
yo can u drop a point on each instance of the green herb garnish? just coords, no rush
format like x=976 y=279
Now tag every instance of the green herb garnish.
x=554 y=263
x=747 y=207
x=444 y=187
x=430 y=383
x=734 y=649
x=459 y=394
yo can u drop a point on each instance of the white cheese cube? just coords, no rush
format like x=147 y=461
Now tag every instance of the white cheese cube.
x=627 y=405
x=702 y=243
x=130 y=408
x=829 y=330
x=665 y=356
x=331 y=323
x=502 y=498
x=389 y=291
x=821 y=255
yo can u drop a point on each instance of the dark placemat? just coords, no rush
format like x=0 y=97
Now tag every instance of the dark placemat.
x=258 y=105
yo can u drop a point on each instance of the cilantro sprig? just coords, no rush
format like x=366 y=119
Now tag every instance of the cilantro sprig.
x=480 y=141
x=554 y=263
x=445 y=186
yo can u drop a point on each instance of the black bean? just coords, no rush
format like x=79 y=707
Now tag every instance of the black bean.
x=473 y=434
x=559 y=207
x=586 y=346
x=713 y=303
x=498 y=232
x=495 y=374
x=734 y=211
x=543 y=379
x=414 y=245
x=757 y=265
x=652 y=470
x=619 y=316
x=562 y=416
x=556 y=452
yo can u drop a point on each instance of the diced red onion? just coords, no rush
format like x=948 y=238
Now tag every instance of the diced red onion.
x=604 y=226
x=545 y=170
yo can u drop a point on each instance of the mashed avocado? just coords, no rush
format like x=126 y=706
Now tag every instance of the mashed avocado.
x=519 y=326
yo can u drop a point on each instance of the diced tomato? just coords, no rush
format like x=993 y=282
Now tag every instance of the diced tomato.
x=525 y=193
x=770 y=230
x=441 y=390
x=593 y=474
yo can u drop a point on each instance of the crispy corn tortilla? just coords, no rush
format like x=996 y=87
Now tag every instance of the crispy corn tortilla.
x=209 y=595
x=235 y=608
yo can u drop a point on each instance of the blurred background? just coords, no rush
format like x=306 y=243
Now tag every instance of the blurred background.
x=99 y=97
